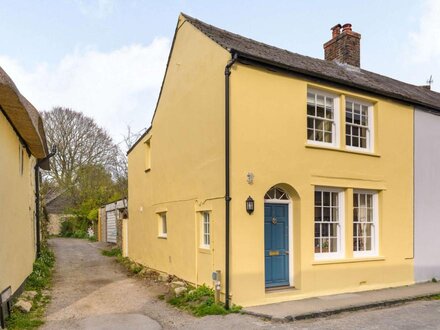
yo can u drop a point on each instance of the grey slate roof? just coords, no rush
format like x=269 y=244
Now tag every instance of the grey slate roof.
x=331 y=71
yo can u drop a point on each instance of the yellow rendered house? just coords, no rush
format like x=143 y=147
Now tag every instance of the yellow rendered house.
x=292 y=176
x=23 y=147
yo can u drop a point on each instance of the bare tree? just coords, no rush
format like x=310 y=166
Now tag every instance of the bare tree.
x=131 y=137
x=80 y=141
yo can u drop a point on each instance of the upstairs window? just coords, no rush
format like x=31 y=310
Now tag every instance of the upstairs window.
x=148 y=155
x=358 y=125
x=321 y=118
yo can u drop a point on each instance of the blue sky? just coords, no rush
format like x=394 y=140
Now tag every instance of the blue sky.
x=106 y=58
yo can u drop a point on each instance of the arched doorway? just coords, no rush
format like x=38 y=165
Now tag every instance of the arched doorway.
x=278 y=238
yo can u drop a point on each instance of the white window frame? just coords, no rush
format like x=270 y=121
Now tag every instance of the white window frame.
x=340 y=254
x=370 y=127
x=336 y=120
x=163 y=229
x=375 y=231
x=205 y=230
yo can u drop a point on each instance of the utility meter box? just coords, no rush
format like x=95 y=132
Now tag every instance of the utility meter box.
x=216 y=275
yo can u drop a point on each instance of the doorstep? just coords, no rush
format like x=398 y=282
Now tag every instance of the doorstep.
x=334 y=304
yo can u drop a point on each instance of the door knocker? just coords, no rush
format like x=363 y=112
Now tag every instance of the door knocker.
x=274 y=221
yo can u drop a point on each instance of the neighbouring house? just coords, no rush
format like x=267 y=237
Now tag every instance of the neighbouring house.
x=57 y=205
x=292 y=176
x=23 y=147
x=112 y=222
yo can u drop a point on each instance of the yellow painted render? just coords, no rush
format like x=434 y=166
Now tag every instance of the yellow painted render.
x=269 y=139
x=178 y=168
x=17 y=206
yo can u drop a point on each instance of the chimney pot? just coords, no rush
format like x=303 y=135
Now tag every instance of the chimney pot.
x=346 y=27
x=336 y=30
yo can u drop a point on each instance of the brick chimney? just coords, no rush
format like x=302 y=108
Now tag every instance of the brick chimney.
x=345 y=46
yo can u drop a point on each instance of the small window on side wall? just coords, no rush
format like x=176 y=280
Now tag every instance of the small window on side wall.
x=163 y=225
x=148 y=155
x=20 y=159
x=205 y=239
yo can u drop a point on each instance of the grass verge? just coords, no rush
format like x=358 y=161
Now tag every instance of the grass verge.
x=115 y=252
x=197 y=301
x=39 y=281
x=131 y=266
x=200 y=302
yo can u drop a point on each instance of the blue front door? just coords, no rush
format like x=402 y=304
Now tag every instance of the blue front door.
x=276 y=244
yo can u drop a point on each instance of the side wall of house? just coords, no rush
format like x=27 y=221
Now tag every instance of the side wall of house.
x=54 y=225
x=178 y=167
x=427 y=196
x=17 y=205
x=269 y=139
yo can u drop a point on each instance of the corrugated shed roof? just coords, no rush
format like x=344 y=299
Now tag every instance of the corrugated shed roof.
x=23 y=116
x=331 y=71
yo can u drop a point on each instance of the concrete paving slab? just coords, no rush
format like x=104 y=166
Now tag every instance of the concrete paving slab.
x=334 y=304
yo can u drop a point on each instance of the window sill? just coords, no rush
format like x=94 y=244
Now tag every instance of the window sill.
x=350 y=151
x=162 y=236
x=346 y=261
x=281 y=289
x=205 y=249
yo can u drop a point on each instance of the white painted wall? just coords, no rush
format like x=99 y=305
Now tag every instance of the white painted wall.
x=111 y=226
x=427 y=196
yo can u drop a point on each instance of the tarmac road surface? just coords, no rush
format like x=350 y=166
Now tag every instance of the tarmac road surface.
x=91 y=291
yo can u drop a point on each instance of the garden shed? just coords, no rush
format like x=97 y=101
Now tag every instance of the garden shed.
x=111 y=217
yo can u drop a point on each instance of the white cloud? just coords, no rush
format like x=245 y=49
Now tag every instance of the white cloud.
x=425 y=43
x=117 y=88
x=96 y=8
x=420 y=57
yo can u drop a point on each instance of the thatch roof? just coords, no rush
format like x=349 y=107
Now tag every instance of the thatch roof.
x=23 y=116
x=327 y=70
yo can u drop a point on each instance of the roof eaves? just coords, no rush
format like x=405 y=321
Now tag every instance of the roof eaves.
x=341 y=82
x=313 y=67
x=139 y=139
x=23 y=116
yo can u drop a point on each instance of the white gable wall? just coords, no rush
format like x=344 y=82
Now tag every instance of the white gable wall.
x=426 y=196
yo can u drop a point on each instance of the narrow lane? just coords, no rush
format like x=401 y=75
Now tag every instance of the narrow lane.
x=91 y=291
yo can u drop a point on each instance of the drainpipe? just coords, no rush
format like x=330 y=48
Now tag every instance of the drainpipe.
x=37 y=196
x=227 y=180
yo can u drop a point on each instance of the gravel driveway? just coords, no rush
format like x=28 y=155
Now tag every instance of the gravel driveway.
x=91 y=291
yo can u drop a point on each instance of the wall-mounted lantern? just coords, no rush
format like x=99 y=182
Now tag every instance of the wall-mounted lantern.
x=250 y=205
